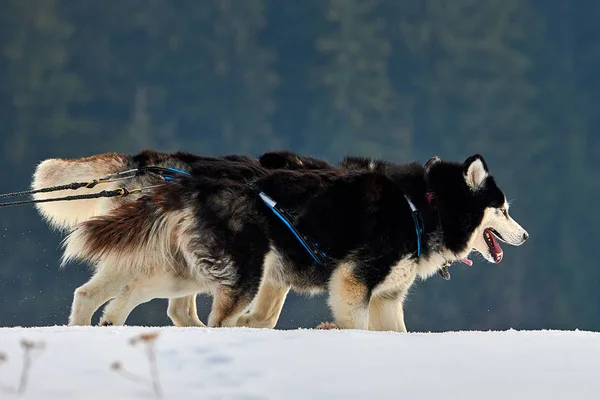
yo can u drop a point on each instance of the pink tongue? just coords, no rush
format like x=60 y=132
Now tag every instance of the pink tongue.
x=497 y=250
x=466 y=261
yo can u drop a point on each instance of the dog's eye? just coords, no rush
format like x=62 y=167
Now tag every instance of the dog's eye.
x=505 y=212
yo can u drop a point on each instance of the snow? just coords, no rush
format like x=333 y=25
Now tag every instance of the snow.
x=242 y=363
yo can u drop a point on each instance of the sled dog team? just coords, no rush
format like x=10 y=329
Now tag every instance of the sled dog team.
x=248 y=230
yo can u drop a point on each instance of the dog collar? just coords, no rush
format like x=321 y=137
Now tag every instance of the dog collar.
x=429 y=196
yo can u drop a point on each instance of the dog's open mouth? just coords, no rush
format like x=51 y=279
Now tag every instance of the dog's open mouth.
x=490 y=236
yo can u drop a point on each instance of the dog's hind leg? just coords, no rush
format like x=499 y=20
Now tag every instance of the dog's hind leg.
x=348 y=299
x=386 y=313
x=266 y=307
x=182 y=311
x=130 y=296
x=90 y=296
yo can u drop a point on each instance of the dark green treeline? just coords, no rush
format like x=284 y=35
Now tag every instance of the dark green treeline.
x=514 y=80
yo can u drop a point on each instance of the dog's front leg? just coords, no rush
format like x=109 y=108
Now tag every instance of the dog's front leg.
x=348 y=299
x=270 y=298
x=386 y=313
x=266 y=307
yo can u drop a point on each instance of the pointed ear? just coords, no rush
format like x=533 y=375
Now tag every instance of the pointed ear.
x=431 y=162
x=475 y=171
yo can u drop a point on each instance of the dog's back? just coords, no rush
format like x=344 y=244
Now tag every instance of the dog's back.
x=59 y=171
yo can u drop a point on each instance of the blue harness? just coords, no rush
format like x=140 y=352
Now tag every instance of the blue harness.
x=419 y=225
x=310 y=246
x=169 y=177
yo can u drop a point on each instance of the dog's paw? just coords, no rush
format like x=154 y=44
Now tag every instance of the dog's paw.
x=327 y=325
x=104 y=322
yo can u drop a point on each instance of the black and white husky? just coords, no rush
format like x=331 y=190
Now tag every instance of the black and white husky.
x=378 y=231
x=64 y=216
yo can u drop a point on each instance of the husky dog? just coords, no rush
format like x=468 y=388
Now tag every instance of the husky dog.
x=379 y=231
x=64 y=216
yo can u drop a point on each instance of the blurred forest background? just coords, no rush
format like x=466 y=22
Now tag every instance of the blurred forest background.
x=403 y=80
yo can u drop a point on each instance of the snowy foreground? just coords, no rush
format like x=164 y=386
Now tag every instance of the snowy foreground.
x=239 y=363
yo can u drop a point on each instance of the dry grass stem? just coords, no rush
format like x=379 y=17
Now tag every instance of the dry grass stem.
x=148 y=339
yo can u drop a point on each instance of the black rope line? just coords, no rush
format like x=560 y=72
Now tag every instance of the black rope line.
x=167 y=174
x=120 y=192
x=72 y=186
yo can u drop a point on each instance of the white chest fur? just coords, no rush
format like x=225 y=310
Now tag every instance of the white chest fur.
x=403 y=274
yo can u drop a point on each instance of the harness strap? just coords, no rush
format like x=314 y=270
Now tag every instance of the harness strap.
x=443 y=271
x=168 y=174
x=311 y=247
x=419 y=224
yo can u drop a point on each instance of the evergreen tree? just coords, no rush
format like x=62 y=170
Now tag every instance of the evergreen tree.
x=358 y=110
x=239 y=94
x=37 y=91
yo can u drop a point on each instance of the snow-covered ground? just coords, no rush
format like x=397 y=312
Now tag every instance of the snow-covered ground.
x=240 y=363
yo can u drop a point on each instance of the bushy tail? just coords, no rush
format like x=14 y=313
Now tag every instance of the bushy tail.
x=64 y=215
x=139 y=236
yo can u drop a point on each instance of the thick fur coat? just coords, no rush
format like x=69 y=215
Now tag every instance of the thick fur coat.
x=202 y=234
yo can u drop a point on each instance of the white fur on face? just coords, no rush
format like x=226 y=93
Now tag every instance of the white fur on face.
x=498 y=219
x=476 y=175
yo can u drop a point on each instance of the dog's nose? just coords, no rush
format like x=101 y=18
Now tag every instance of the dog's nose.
x=525 y=236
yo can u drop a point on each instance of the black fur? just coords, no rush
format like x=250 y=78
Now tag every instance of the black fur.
x=288 y=160
x=359 y=216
